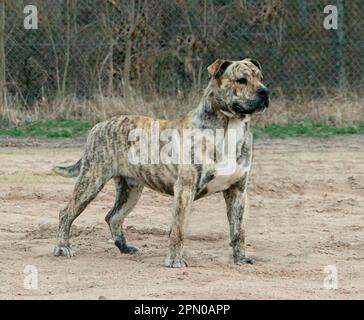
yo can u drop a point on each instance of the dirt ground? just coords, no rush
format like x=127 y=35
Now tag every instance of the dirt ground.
x=306 y=213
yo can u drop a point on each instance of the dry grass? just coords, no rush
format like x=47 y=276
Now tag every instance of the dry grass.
x=339 y=109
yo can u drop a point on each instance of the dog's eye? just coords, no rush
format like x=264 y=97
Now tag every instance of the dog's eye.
x=242 y=81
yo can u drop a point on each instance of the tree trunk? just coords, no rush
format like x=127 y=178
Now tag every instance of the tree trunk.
x=127 y=60
x=2 y=60
x=340 y=45
x=67 y=53
x=111 y=68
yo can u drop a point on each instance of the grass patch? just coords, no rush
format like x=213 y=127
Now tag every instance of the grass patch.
x=50 y=129
x=73 y=128
x=307 y=129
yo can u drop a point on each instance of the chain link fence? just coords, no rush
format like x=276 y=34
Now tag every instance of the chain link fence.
x=162 y=48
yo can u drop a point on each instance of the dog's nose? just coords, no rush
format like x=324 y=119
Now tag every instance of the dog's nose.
x=263 y=92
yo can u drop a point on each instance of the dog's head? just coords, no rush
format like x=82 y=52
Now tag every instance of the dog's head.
x=238 y=86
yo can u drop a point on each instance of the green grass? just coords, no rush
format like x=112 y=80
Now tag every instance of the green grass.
x=307 y=129
x=50 y=129
x=73 y=128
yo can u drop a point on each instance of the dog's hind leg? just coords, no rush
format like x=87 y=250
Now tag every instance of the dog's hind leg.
x=88 y=185
x=127 y=195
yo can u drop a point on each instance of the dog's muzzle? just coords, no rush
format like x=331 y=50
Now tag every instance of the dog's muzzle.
x=263 y=94
x=257 y=105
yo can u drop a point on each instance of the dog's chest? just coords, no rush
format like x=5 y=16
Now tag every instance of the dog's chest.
x=236 y=164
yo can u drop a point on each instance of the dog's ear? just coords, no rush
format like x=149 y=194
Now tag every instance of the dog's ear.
x=255 y=62
x=218 y=68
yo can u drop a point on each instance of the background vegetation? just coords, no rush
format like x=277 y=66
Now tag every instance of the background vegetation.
x=91 y=59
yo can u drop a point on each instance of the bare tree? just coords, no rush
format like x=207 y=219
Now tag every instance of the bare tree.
x=340 y=43
x=2 y=59
x=67 y=50
x=128 y=48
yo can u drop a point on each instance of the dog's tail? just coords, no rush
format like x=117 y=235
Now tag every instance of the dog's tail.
x=70 y=171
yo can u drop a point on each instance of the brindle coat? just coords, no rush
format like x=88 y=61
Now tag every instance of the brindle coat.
x=233 y=94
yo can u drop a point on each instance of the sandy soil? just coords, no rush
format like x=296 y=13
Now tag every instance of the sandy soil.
x=307 y=203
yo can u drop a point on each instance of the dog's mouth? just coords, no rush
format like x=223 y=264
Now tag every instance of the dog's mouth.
x=252 y=107
x=263 y=106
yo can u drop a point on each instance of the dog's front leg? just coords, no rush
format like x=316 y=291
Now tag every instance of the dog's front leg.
x=184 y=193
x=236 y=199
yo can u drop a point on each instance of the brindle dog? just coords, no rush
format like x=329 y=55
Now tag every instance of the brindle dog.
x=234 y=92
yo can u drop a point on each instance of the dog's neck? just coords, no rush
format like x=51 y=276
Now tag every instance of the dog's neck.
x=208 y=114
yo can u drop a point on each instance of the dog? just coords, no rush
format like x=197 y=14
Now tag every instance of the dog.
x=235 y=92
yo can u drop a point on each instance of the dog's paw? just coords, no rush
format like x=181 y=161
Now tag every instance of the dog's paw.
x=125 y=248
x=63 y=251
x=129 y=249
x=244 y=260
x=175 y=263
